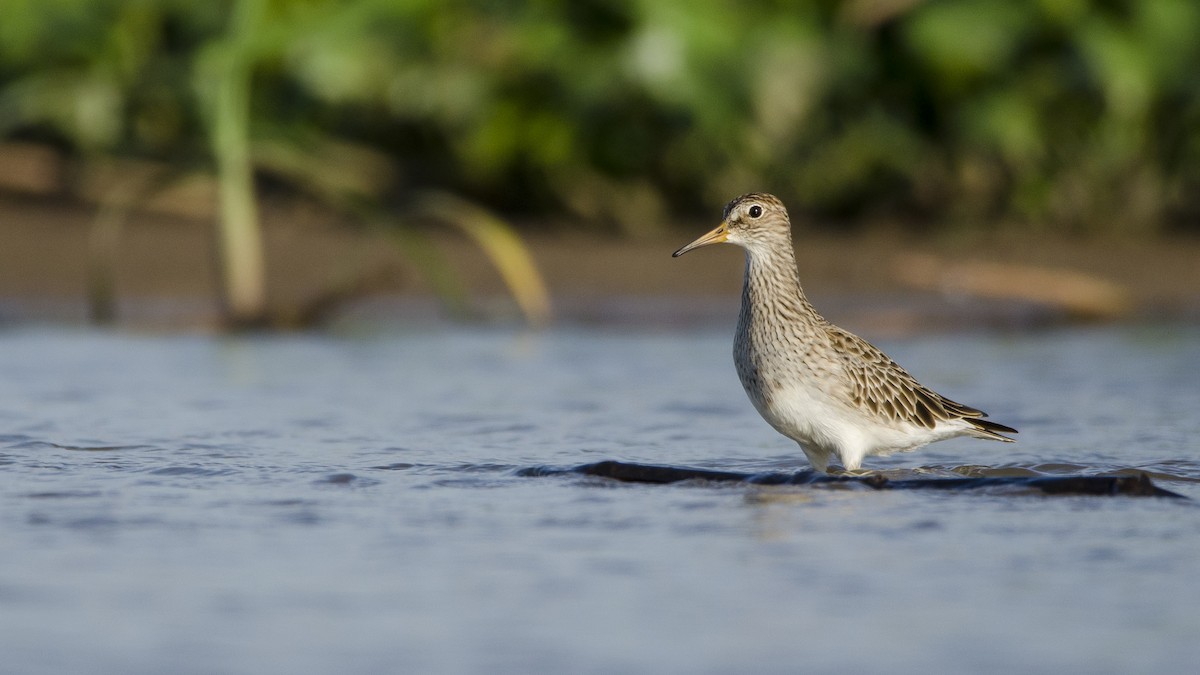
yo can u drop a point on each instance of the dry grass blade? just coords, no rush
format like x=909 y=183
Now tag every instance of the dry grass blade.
x=1081 y=295
x=502 y=245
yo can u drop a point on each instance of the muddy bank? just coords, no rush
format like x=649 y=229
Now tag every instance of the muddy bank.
x=881 y=281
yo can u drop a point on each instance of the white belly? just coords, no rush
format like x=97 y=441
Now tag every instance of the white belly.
x=825 y=427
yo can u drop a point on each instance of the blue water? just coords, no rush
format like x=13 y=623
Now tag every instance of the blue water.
x=350 y=503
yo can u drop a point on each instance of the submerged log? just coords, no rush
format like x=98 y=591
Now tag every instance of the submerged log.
x=1138 y=485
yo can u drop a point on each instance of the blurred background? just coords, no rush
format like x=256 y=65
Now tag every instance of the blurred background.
x=428 y=177
x=271 y=163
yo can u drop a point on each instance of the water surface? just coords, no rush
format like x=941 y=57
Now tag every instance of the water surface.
x=351 y=503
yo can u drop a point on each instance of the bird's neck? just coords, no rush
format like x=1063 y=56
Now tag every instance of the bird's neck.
x=772 y=284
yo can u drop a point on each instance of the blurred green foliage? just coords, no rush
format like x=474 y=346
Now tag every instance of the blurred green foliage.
x=1080 y=115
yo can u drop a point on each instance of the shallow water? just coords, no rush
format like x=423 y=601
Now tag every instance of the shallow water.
x=351 y=503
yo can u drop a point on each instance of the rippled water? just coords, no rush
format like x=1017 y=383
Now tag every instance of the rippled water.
x=353 y=504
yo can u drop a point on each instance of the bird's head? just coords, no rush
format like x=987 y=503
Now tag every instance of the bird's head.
x=755 y=220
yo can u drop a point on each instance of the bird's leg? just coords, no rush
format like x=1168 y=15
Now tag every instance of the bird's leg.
x=817 y=457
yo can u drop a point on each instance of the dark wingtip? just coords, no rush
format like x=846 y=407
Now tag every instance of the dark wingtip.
x=995 y=429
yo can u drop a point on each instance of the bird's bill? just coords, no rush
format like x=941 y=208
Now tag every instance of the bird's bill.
x=718 y=234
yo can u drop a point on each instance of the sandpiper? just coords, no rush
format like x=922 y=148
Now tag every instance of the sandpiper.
x=832 y=392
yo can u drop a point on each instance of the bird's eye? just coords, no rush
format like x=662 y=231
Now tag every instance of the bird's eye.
x=755 y=211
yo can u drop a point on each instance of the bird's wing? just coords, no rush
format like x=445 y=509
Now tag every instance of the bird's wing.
x=880 y=385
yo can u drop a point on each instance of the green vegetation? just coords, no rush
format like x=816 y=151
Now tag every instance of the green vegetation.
x=224 y=75
x=1077 y=115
